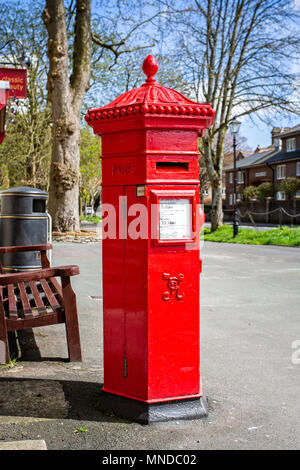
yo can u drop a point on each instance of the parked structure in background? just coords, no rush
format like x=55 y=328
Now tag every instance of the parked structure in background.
x=270 y=177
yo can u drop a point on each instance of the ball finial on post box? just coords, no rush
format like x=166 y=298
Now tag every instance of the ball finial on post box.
x=150 y=67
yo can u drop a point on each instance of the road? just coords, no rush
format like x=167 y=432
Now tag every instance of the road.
x=250 y=301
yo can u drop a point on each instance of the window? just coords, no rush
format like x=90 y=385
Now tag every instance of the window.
x=291 y=144
x=298 y=169
x=281 y=172
x=240 y=177
x=280 y=195
x=223 y=192
x=230 y=178
x=298 y=194
x=230 y=199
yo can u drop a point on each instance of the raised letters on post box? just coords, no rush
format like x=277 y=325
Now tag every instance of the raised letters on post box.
x=123 y=169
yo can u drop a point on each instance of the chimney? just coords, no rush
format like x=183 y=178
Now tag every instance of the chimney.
x=276 y=140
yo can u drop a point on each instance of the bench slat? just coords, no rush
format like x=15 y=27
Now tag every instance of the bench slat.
x=37 y=298
x=25 y=302
x=50 y=296
x=12 y=304
x=57 y=287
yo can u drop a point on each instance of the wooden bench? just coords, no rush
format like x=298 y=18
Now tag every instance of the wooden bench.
x=37 y=298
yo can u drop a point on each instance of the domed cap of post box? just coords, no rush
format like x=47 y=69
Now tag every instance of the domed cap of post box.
x=152 y=99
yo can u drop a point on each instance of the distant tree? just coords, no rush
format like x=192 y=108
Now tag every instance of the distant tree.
x=90 y=167
x=26 y=149
x=237 y=56
x=241 y=146
x=4 y=177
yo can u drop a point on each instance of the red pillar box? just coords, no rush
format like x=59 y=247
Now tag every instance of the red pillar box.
x=151 y=259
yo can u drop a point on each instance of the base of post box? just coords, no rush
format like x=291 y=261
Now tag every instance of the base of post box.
x=146 y=413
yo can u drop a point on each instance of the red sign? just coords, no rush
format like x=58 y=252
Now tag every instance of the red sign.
x=17 y=79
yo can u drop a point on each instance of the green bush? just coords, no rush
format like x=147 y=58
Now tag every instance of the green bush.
x=290 y=186
x=264 y=190
x=250 y=192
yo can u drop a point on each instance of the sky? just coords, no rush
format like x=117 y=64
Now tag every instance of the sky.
x=260 y=134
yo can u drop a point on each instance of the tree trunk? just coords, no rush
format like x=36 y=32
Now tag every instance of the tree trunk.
x=214 y=162
x=217 y=209
x=66 y=97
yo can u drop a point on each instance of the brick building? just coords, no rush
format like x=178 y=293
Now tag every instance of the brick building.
x=273 y=164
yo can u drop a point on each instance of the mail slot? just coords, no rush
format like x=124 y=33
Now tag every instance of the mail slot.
x=171 y=166
x=151 y=257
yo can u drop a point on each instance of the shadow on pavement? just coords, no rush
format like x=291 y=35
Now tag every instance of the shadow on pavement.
x=23 y=346
x=52 y=399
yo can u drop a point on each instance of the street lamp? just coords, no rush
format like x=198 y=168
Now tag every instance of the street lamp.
x=234 y=127
x=24 y=59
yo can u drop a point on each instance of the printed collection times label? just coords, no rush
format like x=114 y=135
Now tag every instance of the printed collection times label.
x=175 y=219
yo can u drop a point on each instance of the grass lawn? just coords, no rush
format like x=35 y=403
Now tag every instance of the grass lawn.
x=90 y=218
x=280 y=236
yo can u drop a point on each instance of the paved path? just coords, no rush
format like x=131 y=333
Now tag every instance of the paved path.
x=250 y=300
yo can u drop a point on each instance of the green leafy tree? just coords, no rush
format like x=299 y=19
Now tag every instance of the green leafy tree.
x=90 y=167
x=26 y=149
x=4 y=177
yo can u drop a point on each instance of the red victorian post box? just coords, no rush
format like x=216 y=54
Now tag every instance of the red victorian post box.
x=151 y=258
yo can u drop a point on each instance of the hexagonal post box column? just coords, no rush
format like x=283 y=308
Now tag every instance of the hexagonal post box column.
x=151 y=258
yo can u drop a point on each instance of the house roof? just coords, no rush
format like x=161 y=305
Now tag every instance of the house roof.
x=269 y=154
x=292 y=130
x=254 y=159
x=283 y=156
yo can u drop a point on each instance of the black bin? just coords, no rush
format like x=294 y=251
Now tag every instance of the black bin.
x=23 y=221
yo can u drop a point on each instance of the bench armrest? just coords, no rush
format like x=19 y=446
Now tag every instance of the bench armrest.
x=61 y=271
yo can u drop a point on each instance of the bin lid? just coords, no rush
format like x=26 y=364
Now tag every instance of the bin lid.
x=23 y=191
